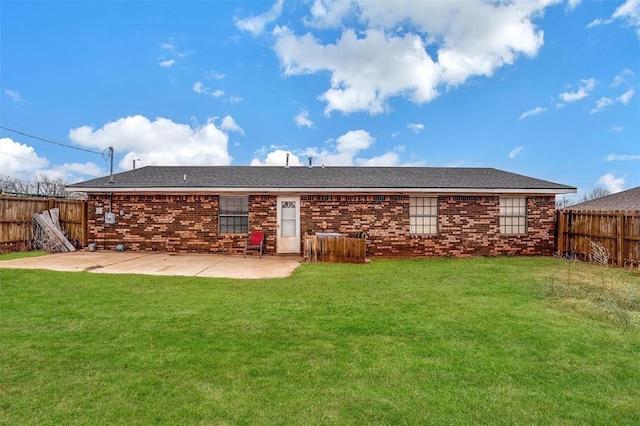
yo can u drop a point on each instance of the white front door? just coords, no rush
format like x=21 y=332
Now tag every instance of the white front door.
x=288 y=237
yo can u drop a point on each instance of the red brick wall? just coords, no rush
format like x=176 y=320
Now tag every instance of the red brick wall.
x=175 y=223
x=467 y=225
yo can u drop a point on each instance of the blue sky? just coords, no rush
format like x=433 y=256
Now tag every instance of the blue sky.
x=543 y=88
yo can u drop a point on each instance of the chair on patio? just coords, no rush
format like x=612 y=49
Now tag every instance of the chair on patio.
x=255 y=241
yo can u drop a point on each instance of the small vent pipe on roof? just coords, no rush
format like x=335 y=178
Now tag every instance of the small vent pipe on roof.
x=310 y=162
x=286 y=164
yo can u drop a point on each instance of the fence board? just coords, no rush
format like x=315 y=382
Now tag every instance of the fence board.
x=16 y=219
x=617 y=231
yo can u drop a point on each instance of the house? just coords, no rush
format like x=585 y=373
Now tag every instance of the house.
x=628 y=200
x=403 y=211
x=604 y=228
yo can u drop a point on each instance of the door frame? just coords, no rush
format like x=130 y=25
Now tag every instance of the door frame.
x=281 y=248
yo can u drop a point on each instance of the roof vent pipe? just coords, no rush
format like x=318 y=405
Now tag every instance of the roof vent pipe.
x=286 y=164
x=310 y=162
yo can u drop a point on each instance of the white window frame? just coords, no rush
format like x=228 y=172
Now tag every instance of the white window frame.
x=423 y=215
x=513 y=215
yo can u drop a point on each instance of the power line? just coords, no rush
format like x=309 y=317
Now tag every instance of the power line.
x=50 y=141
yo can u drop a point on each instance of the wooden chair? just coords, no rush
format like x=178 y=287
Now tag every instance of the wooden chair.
x=255 y=241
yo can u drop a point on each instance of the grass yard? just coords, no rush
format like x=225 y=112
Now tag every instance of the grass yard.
x=442 y=341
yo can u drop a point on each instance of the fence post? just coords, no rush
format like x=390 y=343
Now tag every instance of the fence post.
x=620 y=243
x=561 y=236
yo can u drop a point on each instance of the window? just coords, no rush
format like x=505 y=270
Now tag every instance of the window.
x=233 y=215
x=423 y=215
x=513 y=216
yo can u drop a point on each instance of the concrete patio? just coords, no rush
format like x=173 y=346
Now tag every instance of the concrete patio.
x=152 y=263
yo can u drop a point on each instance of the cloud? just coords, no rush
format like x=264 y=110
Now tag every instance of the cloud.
x=20 y=161
x=171 y=53
x=14 y=95
x=572 y=4
x=514 y=153
x=214 y=75
x=626 y=96
x=601 y=104
x=605 y=102
x=415 y=127
x=229 y=124
x=277 y=158
x=616 y=129
x=381 y=51
x=630 y=13
x=167 y=63
x=618 y=157
x=256 y=24
x=583 y=91
x=234 y=99
x=158 y=142
x=198 y=87
x=621 y=78
x=532 y=112
x=597 y=22
x=217 y=93
x=611 y=183
x=302 y=119
x=346 y=150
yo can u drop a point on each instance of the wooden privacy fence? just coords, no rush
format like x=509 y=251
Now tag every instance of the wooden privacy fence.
x=16 y=220
x=335 y=248
x=617 y=231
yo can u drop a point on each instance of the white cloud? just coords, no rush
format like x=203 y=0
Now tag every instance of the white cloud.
x=277 y=158
x=234 y=99
x=611 y=183
x=597 y=22
x=158 y=142
x=626 y=96
x=514 y=153
x=572 y=4
x=21 y=161
x=256 y=24
x=214 y=75
x=585 y=87
x=345 y=151
x=168 y=63
x=621 y=78
x=616 y=129
x=532 y=112
x=217 y=93
x=601 y=104
x=229 y=124
x=302 y=119
x=629 y=12
x=199 y=87
x=624 y=157
x=415 y=127
x=389 y=58
x=14 y=95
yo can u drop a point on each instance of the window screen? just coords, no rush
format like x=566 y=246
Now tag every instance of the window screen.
x=423 y=215
x=513 y=216
x=233 y=215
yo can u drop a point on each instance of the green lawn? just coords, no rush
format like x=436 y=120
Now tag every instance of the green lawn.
x=443 y=341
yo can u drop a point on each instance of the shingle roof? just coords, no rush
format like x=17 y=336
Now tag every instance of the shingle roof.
x=318 y=178
x=628 y=200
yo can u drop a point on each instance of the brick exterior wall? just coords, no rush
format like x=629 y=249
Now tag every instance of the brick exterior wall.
x=467 y=225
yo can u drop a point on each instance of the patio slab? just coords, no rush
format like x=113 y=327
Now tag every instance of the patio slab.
x=150 y=263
